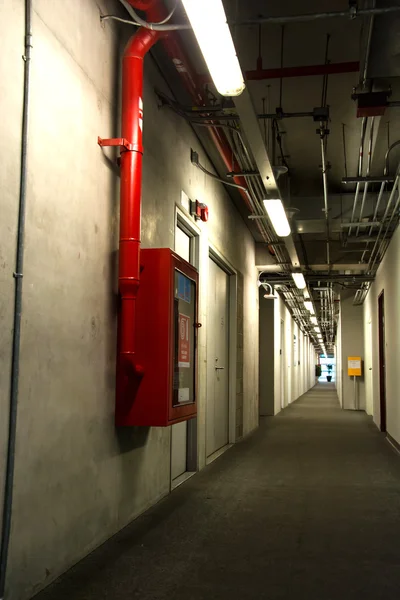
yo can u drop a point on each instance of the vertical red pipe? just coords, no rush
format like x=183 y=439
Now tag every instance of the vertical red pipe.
x=130 y=193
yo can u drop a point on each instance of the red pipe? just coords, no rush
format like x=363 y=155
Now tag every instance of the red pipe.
x=130 y=194
x=156 y=12
x=329 y=69
x=303 y=71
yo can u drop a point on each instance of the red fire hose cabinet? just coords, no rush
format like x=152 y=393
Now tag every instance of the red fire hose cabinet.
x=166 y=327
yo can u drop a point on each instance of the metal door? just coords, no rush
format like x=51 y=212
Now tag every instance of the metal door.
x=217 y=359
x=179 y=431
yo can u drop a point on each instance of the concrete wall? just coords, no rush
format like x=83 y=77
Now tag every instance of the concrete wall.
x=387 y=280
x=77 y=479
x=294 y=354
x=351 y=344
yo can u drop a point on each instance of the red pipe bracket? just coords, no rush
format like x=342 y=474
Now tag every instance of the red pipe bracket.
x=121 y=142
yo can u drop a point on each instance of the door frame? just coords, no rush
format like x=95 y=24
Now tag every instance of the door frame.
x=382 y=362
x=193 y=232
x=282 y=368
x=226 y=266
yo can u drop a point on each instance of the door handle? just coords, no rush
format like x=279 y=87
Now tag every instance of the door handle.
x=219 y=368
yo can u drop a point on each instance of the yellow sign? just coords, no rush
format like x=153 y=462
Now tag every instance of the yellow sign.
x=354 y=366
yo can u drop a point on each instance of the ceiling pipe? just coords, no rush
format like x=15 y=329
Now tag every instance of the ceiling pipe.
x=352 y=13
x=378 y=243
x=369 y=159
x=303 y=71
x=363 y=81
x=325 y=183
x=359 y=170
x=322 y=267
x=300 y=71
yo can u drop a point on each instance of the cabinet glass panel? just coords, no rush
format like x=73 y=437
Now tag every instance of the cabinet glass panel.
x=184 y=339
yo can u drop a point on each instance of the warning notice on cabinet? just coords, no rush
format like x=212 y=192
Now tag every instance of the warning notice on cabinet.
x=184 y=341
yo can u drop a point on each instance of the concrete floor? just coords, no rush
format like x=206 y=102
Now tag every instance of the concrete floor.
x=306 y=508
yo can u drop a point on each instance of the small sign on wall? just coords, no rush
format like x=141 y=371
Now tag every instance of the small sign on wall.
x=184 y=342
x=354 y=366
x=185 y=201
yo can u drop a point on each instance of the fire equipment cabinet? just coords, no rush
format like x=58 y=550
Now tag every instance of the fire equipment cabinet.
x=166 y=327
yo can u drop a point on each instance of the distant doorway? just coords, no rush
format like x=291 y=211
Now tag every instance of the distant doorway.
x=282 y=365
x=382 y=365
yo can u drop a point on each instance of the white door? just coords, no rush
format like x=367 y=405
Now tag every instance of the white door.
x=179 y=431
x=217 y=414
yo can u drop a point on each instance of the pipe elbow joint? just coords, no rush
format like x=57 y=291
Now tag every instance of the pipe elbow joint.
x=128 y=287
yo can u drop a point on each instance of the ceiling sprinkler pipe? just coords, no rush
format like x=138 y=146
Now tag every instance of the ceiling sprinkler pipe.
x=325 y=183
x=350 y=14
x=360 y=165
x=371 y=136
x=382 y=249
x=374 y=253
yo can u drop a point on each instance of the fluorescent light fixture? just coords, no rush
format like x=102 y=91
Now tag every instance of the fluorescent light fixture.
x=309 y=307
x=314 y=320
x=208 y=20
x=299 y=279
x=278 y=217
x=317 y=329
x=306 y=295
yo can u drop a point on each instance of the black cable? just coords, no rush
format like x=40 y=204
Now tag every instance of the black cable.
x=281 y=81
x=344 y=149
x=279 y=140
x=153 y=26
x=325 y=78
x=265 y=124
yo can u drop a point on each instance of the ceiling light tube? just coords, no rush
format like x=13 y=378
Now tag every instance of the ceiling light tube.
x=314 y=320
x=299 y=279
x=208 y=20
x=309 y=306
x=317 y=329
x=278 y=217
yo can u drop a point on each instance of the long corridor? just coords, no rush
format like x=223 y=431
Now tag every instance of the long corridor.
x=306 y=508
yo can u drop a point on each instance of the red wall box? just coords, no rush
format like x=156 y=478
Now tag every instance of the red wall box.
x=166 y=328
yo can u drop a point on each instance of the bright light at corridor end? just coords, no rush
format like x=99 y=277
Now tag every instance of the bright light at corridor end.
x=299 y=280
x=208 y=20
x=278 y=217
